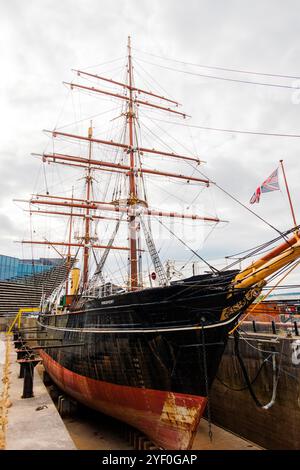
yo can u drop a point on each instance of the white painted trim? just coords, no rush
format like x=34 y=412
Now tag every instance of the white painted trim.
x=138 y=330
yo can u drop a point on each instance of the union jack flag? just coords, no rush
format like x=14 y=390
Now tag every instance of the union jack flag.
x=256 y=196
x=270 y=184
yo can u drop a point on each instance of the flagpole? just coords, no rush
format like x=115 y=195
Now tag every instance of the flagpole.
x=288 y=193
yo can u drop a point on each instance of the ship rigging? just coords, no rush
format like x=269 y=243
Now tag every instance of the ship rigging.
x=144 y=354
x=134 y=205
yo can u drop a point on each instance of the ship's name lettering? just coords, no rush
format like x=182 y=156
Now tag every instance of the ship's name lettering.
x=106 y=302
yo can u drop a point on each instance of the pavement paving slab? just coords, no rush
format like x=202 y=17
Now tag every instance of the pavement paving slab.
x=33 y=423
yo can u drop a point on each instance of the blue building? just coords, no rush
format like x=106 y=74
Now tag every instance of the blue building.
x=12 y=268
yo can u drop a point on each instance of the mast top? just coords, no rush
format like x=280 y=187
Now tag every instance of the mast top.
x=90 y=130
x=130 y=166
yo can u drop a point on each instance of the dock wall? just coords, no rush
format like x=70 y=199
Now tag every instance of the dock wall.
x=279 y=426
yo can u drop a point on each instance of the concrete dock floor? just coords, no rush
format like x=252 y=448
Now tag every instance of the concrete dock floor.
x=32 y=423
x=4 y=389
x=91 y=430
x=221 y=439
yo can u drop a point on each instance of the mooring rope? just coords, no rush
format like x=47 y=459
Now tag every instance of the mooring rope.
x=247 y=380
x=4 y=400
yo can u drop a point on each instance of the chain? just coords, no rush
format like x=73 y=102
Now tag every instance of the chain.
x=210 y=434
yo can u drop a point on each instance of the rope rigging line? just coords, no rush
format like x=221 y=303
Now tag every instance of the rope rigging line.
x=287 y=270
x=212 y=268
x=227 y=69
x=259 y=248
x=119 y=184
x=158 y=138
x=285 y=286
x=206 y=378
x=232 y=131
x=102 y=63
x=247 y=380
x=215 y=77
x=153 y=119
x=283 y=270
x=165 y=144
x=252 y=382
x=208 y=235
x=168 y=146
x=86 y=118
x=239 y=202
x=152 y=78
x=232 y=197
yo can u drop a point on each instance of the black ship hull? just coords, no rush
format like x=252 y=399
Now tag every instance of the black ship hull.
x=165 y=343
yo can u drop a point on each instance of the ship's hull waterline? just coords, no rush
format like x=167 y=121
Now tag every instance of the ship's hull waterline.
x=168 y=419
x=148 y=363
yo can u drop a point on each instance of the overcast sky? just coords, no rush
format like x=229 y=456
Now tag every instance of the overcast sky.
x=42 y=40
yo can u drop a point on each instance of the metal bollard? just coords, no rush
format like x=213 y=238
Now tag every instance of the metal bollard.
x=19 y=343
x=254 y=326
x=296 y=328
x=22 y=371
x=29 y=365
x=273 y=327
x=21 y=354
x=16 y=336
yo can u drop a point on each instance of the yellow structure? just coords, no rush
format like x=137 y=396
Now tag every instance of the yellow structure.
x=75 y=277
x=18 y=317
x=269 y=264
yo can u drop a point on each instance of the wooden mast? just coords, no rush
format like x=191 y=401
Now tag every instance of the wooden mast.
x=132 y=200
x=132 y=170
x=97 y=205
x=288 y=193
x=69 y=248
x=87 y=237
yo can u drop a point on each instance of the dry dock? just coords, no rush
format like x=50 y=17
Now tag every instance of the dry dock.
x=35 y=424
x=94 y=431
x=272 y=362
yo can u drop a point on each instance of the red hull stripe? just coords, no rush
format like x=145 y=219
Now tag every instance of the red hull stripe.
x=168 y=419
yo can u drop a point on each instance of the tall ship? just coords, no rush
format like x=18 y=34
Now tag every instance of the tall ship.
x=145 y=350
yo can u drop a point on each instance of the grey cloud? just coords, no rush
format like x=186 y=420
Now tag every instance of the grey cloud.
x=42 y=41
